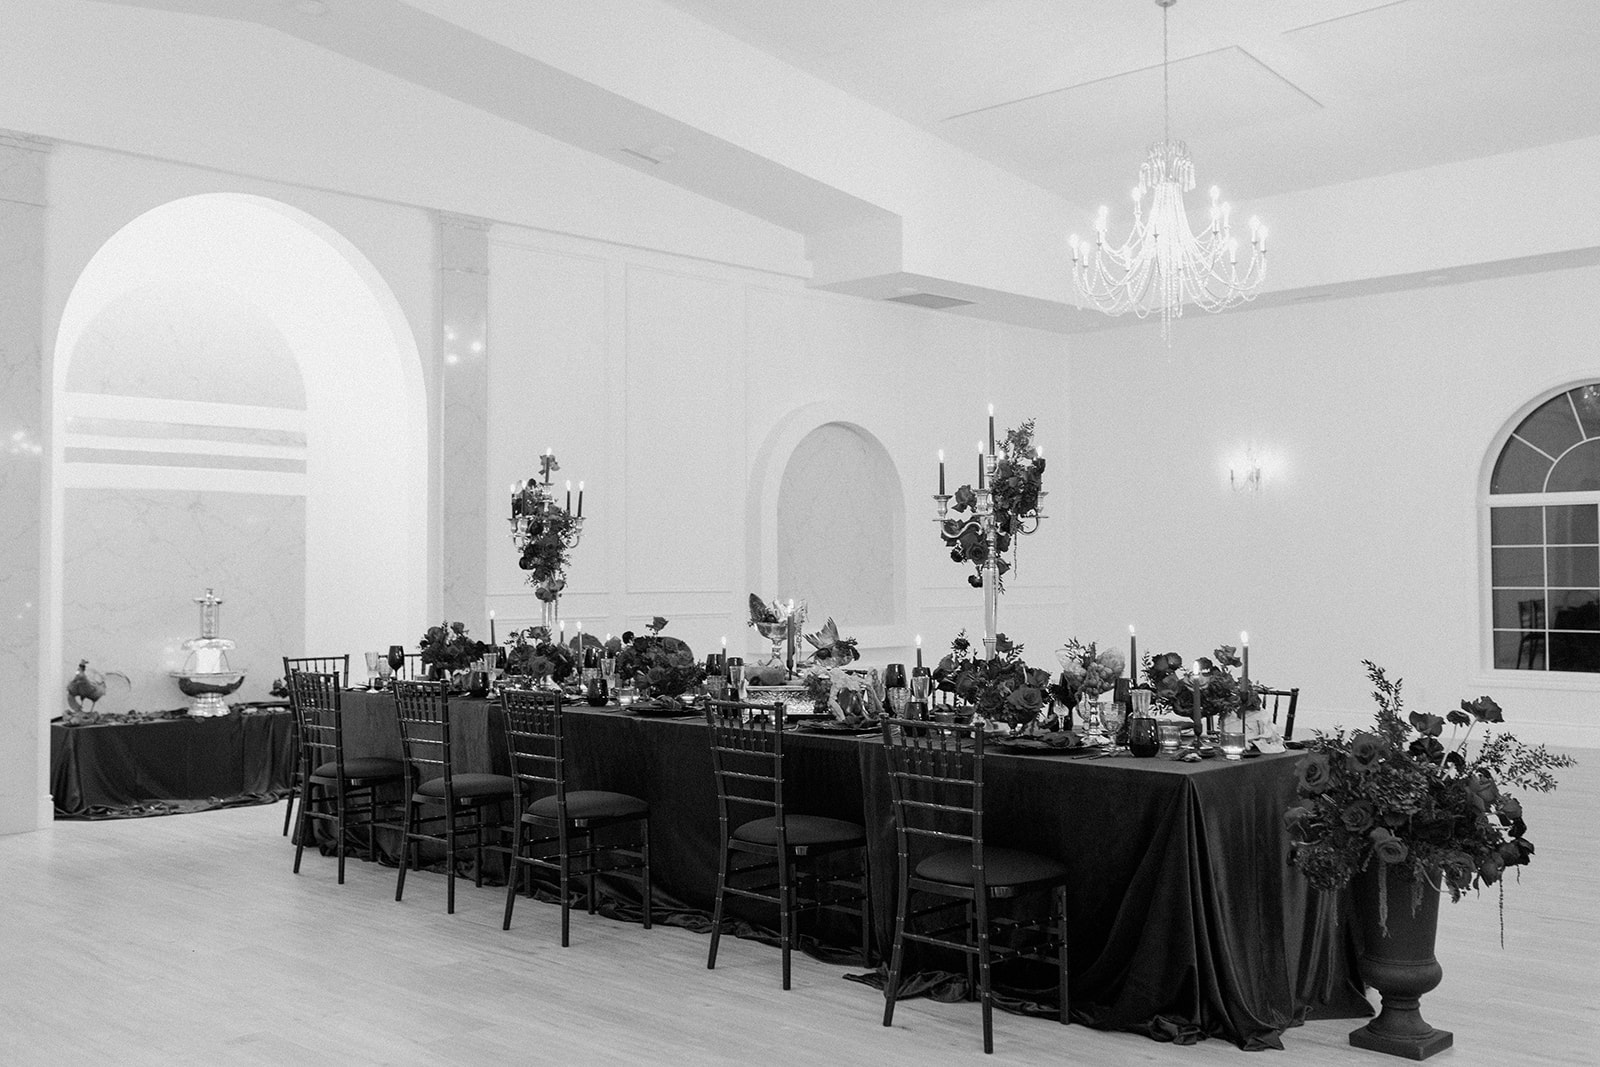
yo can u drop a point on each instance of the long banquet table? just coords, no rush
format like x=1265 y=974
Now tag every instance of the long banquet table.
x=1185 y=920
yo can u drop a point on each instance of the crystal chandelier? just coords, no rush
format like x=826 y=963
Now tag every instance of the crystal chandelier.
x=1163 y=264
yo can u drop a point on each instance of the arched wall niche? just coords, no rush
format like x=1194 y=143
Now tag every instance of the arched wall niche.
x=238 y=401
x=810 y=480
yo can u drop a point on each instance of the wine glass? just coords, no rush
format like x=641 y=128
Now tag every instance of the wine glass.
x=397 y=658
x=895 y=689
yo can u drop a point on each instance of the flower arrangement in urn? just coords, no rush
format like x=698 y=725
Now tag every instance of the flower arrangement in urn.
x=1013 y=498
x=1400 y=795
x=660 y=666
x=1086 y=671
x=1002 y=689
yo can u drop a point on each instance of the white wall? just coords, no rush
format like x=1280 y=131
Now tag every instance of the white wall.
x=677 y=391
x=1372 y=416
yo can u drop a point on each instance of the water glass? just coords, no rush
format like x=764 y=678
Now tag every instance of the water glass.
x=1171 y=737
x=1231 y=732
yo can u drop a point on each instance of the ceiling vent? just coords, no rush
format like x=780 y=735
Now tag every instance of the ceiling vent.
x=929 y=300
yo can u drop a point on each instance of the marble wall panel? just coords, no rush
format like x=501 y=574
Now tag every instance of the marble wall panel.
x=22 y=242
x=135 y=559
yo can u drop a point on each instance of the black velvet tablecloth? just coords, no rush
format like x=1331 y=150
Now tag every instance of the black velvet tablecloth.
x=1185 y=919
x=120 y=770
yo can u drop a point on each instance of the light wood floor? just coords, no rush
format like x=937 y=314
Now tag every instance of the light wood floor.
x=186 y=940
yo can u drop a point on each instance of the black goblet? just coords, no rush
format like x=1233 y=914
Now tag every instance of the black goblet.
x=397 y=658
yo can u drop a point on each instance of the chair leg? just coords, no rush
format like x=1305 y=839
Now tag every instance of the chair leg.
x=288 y=811
x=785 y=912
x=449 y=859
x=300 y=836
x=340 y=802
x=985 y=998
x=1062 y=976
x=564 y=844
x=408 y=828
x=513 y=874
x=644 y=858
x=891 y=984
x=588 y=844
x=866 y=911
x=716 y=908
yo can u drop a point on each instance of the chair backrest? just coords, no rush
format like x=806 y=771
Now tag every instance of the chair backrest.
x=423 y=709
x=413 y=667
x=534 y=733
x=747 y=761
x=935 y=787
x=339 y=665
x=314 y=698
x=1282 y=702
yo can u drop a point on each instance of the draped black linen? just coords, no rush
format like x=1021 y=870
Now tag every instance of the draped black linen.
x=1185 y=919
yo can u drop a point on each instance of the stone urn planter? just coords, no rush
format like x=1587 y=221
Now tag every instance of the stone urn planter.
x=1399 y=964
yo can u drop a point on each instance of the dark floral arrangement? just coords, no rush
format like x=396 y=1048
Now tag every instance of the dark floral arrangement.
x=530 y=653
x=447 y=647
x=1001 y=689
x=1399 y=795
x=1173 y=687
x=659 y=666
x=548 y=528
x=1086 y=671
x=1014 y=498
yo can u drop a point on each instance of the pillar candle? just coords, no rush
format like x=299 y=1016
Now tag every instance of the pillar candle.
x=941 y=472
x=1198 y=684
x=1133 y=655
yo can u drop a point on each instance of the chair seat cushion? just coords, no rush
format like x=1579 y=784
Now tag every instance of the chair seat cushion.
x=588 y=805
x=802 y=831
x=1002 y=867
x=362 y=767
x=468 y=786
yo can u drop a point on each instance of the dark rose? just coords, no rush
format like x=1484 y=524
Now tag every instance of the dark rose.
x=1427 y=725
x=961 y=644
x=1482 y=790
x=1387 y=847
x=1357 y=817
x=1027 y=700
x=955 y=556
x=1490 y=866
x=1366 y=750
x=1510 y=809
x=990 y=701
x=1294 y=817
x=1483 y=709
x=1314 y=774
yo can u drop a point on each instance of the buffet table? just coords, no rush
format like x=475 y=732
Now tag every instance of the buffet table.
x=1185 y=919
x=165 y=766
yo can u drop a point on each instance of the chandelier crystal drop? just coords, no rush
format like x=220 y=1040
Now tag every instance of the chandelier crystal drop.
x=1163 y=264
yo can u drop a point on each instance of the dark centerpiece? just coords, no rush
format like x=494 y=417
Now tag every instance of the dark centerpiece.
x=1173 y=687
x=1395 y=809
x=447 y=648
x=530 y=653
x=661 y=667
x=1000 y=689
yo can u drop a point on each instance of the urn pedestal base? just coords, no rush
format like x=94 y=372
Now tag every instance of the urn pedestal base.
x=1398 y=962
x=1409 y=1046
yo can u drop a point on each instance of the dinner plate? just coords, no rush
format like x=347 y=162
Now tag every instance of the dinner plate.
x=661 y=711
x=834 y=726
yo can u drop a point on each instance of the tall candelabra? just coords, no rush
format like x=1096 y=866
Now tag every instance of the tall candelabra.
x=544 y=531
x=982 y=522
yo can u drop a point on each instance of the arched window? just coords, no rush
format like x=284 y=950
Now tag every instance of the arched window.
x=1544 y=538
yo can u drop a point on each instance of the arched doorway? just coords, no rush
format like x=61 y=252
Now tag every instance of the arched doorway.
x=238 y=403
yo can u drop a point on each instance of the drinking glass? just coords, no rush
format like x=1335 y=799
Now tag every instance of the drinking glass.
x=896 y=691
x=1171 y=737
x=1144 y=738
x=1231 y=730
x=735 y=668
x=397 y=657
x=373 y=659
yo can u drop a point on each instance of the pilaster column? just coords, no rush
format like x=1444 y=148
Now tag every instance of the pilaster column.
x=464 y=433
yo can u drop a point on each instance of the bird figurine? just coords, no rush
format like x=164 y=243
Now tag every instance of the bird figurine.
x=830 y=647
x=86 y=685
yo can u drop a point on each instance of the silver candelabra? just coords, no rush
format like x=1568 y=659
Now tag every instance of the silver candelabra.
x=540 y=522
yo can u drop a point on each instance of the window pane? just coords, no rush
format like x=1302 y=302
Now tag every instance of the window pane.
x=1520 y=567
x=1575 y=652
x=1552 y=428
x=1520 y=469
x=1516 y=526
x=1569 y=524
x=1578 y=471
x=1586 y=398
x=1515 y=651
x=1571 y=609
x=1519 y=609
x=1570 y=567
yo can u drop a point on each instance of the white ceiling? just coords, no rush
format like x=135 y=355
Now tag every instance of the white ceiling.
x=1272 y=95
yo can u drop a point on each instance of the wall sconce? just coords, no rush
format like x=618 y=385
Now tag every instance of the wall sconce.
x=1244 y=471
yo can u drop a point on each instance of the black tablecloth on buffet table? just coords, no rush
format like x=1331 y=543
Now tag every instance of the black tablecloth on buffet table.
x=1185 y=920
x=120 y=770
